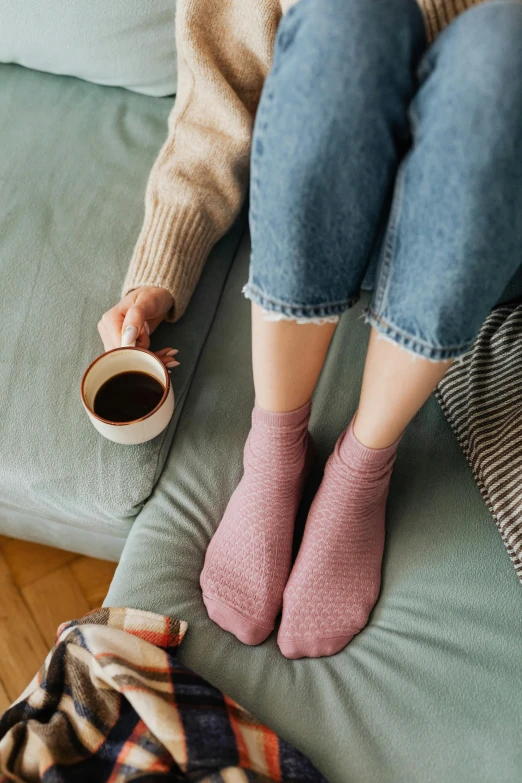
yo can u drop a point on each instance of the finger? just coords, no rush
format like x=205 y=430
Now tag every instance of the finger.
x=104 y=336
x=110 y=328
x=133 y=324
x=153 y=323
x=167 y=355
x=143 y=340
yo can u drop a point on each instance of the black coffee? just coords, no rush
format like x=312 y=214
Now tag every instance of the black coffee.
x=128 y=396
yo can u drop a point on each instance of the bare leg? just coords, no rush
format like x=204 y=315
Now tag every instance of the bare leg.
x=287 y=360
x=345 y=527
x=395 y=386
x=248 y=560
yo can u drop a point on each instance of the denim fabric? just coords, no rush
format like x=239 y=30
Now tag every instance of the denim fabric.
x=372 y=148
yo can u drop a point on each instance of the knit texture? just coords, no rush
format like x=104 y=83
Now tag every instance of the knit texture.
x=336 y=578
x=248 y=560
x=199 y=181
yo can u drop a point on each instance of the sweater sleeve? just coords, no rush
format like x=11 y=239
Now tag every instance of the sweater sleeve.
x=199 y=180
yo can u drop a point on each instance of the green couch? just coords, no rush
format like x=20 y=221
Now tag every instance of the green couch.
x=429 y=691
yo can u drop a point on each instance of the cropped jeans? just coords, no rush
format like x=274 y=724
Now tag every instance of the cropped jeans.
x=378 y=156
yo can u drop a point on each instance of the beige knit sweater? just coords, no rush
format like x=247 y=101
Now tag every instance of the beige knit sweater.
x=199 y=181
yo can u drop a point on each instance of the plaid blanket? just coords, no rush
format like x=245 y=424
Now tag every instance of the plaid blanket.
x=112 y=703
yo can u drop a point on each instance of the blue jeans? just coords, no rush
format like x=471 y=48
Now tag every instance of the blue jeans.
x=376 y=154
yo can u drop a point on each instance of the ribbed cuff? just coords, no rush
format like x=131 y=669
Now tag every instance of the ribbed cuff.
x=274 y=419
x=349 y=445
x=171 y=251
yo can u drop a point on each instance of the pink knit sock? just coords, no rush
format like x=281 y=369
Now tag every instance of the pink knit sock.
x=248 y=560
x=336 y=578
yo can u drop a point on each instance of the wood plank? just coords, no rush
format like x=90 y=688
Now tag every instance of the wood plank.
x=5 y=701
x=53 y=599
x=22 y=649
x=94 y=578
x=29 y=562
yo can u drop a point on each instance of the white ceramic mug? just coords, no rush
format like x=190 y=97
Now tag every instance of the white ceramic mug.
x=128 y=359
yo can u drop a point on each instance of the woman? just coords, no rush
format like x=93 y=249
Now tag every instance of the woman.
x=376 y=140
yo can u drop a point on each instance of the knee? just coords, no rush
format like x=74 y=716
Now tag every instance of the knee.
x=340 y=39
x=374 y=18
x=483 y=53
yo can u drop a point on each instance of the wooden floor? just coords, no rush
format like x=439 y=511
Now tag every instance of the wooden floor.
x=40 y=588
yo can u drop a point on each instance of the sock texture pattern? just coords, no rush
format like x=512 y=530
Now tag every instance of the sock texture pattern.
x=249 y=558
x=336 y=578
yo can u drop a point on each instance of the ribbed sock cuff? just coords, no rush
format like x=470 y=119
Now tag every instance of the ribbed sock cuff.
x=358 y=452
x=277 y=420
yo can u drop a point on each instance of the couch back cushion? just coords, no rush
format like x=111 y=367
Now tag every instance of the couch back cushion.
x=124 y=43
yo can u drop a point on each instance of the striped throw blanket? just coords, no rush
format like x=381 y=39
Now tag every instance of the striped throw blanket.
x=481 y=396
x=112 y=703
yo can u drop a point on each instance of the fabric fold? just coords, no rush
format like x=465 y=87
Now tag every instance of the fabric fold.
x=113 y=702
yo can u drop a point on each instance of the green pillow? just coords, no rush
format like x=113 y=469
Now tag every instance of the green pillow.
x=123 y=43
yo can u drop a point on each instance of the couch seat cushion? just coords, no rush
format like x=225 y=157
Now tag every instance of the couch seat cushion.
x=74 y=162
x=429 y=690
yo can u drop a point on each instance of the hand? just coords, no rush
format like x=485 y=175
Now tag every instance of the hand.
x=136 y=317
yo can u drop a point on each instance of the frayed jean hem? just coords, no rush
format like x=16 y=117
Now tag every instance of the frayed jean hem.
x=278 y=310
x=413 y=345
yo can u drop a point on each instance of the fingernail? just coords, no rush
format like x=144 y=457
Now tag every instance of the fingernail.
x=172 y=352
x=147 y=327
x=172 y=364
x=129 y=336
